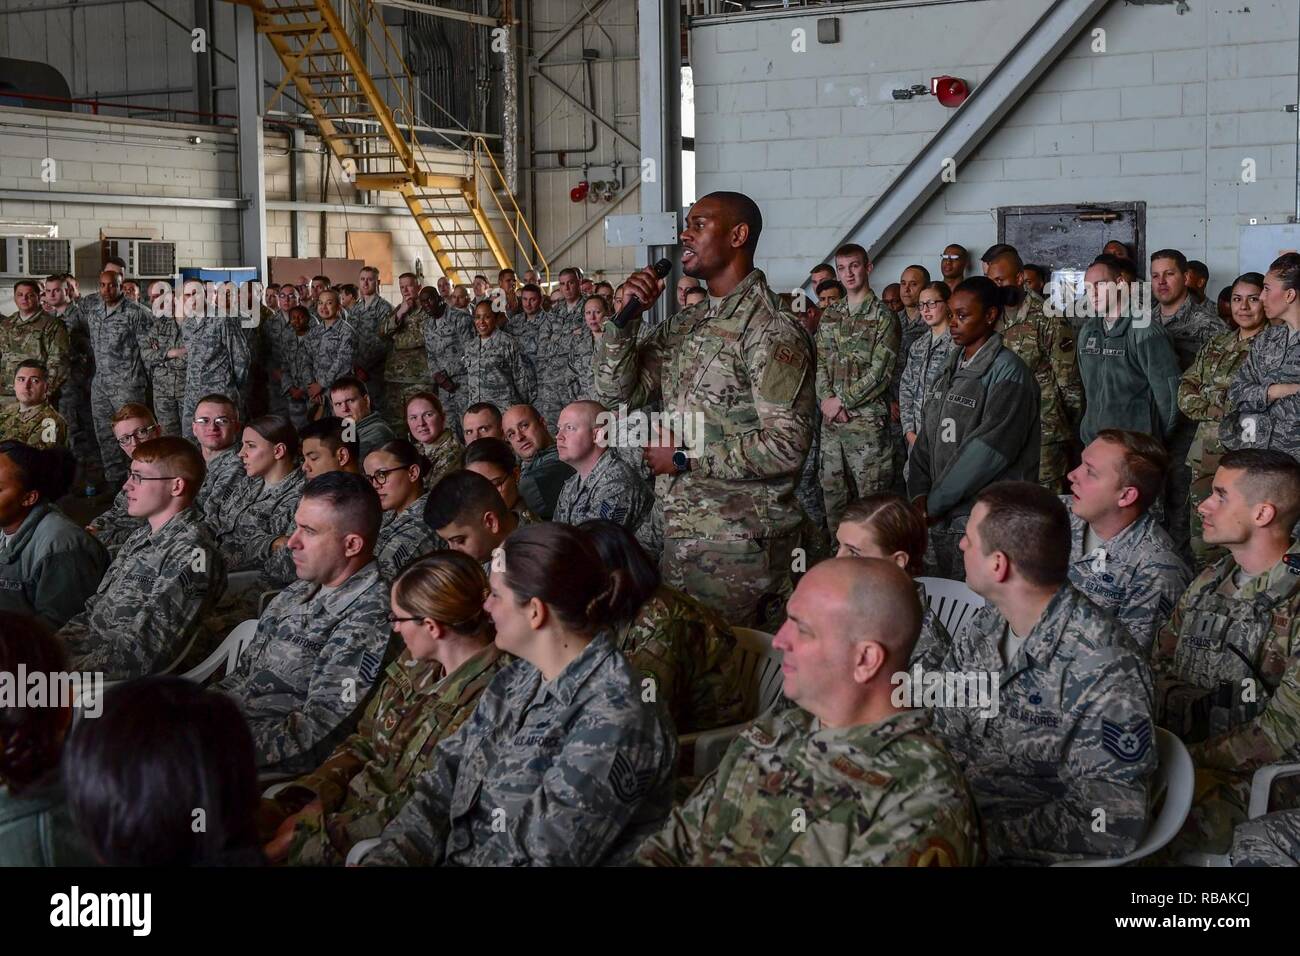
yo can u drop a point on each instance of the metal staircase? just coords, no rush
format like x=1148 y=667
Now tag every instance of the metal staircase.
x=372 y=135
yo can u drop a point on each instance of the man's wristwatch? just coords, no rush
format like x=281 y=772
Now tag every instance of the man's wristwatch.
x=681 y=463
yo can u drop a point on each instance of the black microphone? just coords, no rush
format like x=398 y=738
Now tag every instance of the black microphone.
x=631 y=304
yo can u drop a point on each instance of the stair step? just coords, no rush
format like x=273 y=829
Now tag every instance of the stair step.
x=282 y=11
x=370 y=156
x=295 y=29
x=350 y=94
x=369 y=114
x=333 y=136
x=327 y=74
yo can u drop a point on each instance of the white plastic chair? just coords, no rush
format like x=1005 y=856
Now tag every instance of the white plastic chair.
x=87 y=698
x=760 y=669
x=1261 y=787
x=359 y=850
x=227 y=652
x=953 y=602
x=1175 y=775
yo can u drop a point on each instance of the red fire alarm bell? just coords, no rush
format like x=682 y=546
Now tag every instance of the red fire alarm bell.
x=579 y=192
x=949 y=90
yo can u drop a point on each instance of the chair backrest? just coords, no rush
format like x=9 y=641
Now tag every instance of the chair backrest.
x=760 y=666
x=227 y=652
x=953 y=602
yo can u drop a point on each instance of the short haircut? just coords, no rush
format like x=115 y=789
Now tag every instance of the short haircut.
x=491 y=451
x=573 y=271
x=350 y=288
x=1180 y=260
x=31 y=283
x=925 y=273
x=278 y=430
x=503 y=273
x=1008 y=252
x=460 y=497
x=742 y=209
x=371 y=269
x=1143 y=465
x=826 y=285
x=325 y=279
x=216 y=398
x=852 y=249
x=1270 y=476
x=1040 y=269
x=822 y=267
x=1030 y=525
x=348 y=381
x=133 y=410
x=896 y=524
x=352 y=498
x=696 y=291
x=995 y=250
x=957 y=245
x=115 y=261
x=479 y=407
x=329 y=432
x=408 y=275
x=1199 y=268
x=162 y=747
x=33 y=363
x=1108 y=262
x=178 y=457
x=530 y=287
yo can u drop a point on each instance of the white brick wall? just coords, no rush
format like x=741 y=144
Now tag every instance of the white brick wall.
x=1165 y=116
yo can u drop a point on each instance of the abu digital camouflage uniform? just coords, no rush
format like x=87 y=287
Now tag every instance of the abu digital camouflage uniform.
x=690 y=654
x=278 y=340
x=224 y=480
x=403 y=536
x=74 y=398
x=583 y=346
x=372 y=348
x=115 y=334
x=1270 y=840
x=406 y=369
x=790 y=792
x=298 y=372
x=494 y=371
x=248 y=523
x=370 y=776
x=217 y=361
x=545 y=340
x=1194 y=324
x=1046 y=346
x=445 y=454
x=1063 y=770
x=1227 y=670
x=1202 y=397
x=42 y=337
x=39 y=426
x=933 y=642
x=151 y=601
x=166 y=375
x=925 y=361
x=613 y=491
x=114 y=526
x=857 y=351
x=444 y=350
x=312 y=663
x=1250 y=420
x=979 y=425
x=574 y=771
x=334 y=350
x=745 y=374
x=1136 y=575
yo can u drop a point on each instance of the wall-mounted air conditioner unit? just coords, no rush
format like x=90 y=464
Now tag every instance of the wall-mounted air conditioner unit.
x=32 y=257
x=145 y=258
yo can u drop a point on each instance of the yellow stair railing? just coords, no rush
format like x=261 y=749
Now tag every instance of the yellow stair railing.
x=373 y=133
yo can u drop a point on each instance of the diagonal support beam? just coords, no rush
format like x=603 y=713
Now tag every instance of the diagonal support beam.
x=970 y=124
x=586 y=109
x=592 y=221
x=587 y=13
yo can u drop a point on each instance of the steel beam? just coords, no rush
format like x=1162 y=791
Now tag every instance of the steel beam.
x=588 y=110
x=430 y=10
x=112 y=199
x=989 y=104
x=592 y=221
x=660 y=46
x=587 y=13
x=252 y=158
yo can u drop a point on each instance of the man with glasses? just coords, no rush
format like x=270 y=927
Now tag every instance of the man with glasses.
x=218 y=355
x=165 y=577
x=279 y=338
x=953 y=264
x=495 y=460
x=216 y=428
x=132 y=424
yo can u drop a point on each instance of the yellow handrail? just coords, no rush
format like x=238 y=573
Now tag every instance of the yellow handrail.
x=480 y=145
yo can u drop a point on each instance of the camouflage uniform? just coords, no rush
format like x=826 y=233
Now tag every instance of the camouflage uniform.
x=406 y=369
x=1202 y=397
x=39 y=426
x=166 y=375
x=495 y=372
x=575 y=771
x=1250 y=420
x=583 y=347
x=1270 y=840
x=312 y=663
x=278 y=340
x=1235 y=717
x=372 y=348
x=690 y=655
x=223 y=481
x=43 y=337
x=370 y=776
x=569 y=314
x=1046 y=346
x=613 y=491
x=116 y=525
x=115 y=334
x=545 y=340
x=298 y=372
x=880 y=794
x=444 y=350
x=246 y=524
x=334 y=350
x=1072 y=742
x=74 y=398
x=217 y=361
x=1136 y=575
x=731 y=521
x=934 y=640
x=403 y=536
x=542 y=478
x=925 y=361
x=445 y=454
x=979 y=425
x=151 y=601
x=856 y=354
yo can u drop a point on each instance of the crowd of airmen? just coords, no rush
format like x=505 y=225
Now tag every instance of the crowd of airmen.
x=1119 y=485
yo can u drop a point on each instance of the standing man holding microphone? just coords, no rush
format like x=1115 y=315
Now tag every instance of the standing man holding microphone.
x=739 y=368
